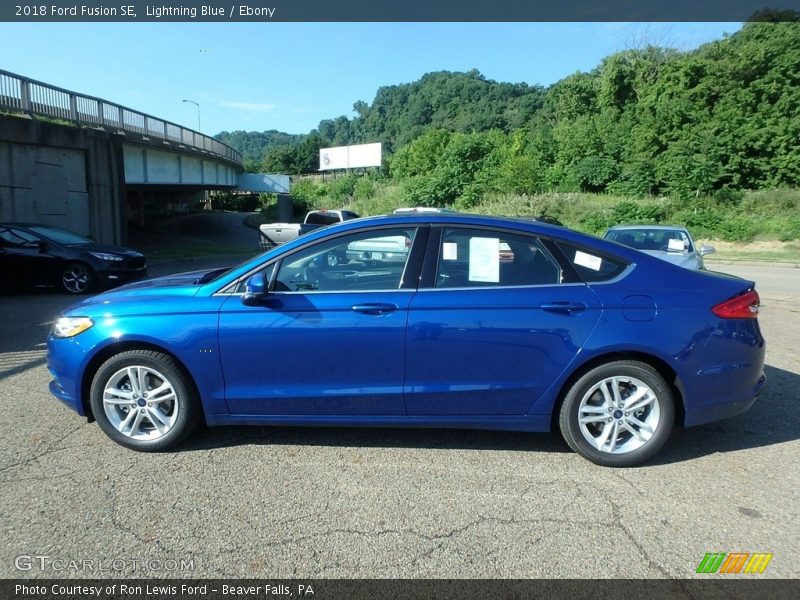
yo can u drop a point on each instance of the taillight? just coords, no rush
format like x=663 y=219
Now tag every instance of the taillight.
x=740 y=307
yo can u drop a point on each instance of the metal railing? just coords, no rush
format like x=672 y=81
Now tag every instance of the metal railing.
x=22 y=94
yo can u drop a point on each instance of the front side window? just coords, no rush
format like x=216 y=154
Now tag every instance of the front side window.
x=485 y=258
x=363 y=261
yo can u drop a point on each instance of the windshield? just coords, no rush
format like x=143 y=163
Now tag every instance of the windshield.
x=665 y=240
x=60 y=236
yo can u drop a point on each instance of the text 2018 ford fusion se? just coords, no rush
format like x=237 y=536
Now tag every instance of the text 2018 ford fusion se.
x=485 y=323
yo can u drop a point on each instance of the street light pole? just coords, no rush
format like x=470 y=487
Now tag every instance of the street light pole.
x=198 y=113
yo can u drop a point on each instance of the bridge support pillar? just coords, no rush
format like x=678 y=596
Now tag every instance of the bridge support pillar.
x=64 y=176
x=285 y=208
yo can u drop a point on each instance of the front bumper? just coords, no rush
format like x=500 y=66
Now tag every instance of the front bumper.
x=111 y=276
x=65 y=361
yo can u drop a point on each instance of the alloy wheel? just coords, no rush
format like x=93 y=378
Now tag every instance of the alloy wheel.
x=76 y=279
x=140 y=403
x=619 y=414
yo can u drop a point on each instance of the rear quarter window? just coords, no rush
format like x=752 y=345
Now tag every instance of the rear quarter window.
x=590 y=265
x=322 y=219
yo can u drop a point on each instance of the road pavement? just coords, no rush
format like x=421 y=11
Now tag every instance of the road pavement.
x=215 y=226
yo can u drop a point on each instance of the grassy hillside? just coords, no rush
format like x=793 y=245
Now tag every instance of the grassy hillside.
x=742 y=217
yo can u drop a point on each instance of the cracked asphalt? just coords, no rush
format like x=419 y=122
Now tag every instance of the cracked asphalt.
x=315 y=503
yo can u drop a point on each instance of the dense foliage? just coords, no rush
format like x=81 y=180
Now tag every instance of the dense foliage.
x=646 y=122
x=254 y=144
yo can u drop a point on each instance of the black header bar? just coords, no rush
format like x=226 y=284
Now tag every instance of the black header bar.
x=134 y=11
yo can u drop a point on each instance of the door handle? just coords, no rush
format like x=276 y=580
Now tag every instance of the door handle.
x=374 y=308
x=564 y=307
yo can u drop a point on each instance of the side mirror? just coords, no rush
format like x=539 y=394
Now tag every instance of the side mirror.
x=707 y=250
x=255 y=290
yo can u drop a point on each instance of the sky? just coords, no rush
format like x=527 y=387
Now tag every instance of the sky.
x=289 y=76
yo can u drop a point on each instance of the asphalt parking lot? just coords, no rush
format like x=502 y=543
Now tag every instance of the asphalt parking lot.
x=280 y=502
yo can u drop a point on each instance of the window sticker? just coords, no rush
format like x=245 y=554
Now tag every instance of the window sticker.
x=450 y=251
x=675 y=245
x=590 y=261
x=484 y=259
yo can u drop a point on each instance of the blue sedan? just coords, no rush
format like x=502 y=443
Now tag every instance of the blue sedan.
x=481 y=322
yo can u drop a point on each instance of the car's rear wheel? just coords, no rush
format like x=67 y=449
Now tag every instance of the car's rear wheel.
x=144 y=400
x=618 y=414
x=78 y=278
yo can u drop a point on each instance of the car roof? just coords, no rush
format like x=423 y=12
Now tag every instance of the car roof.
x=439 y=216
x=422 y=209
x=627 y=227
x=529 y=224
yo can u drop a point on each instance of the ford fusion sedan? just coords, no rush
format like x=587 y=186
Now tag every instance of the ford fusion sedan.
x=487 y=323
x=33 y=254
x=670 y=243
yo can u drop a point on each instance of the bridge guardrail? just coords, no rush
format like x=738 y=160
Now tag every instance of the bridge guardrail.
x=22 y=94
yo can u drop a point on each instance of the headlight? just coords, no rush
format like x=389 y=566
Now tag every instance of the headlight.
x=71 y=326
x=106 y=256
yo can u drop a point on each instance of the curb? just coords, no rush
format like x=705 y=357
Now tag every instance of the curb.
x=752 y=262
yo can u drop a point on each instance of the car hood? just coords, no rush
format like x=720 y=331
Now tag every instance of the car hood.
x=682 y=259
x=142 y=292
x=95 y=247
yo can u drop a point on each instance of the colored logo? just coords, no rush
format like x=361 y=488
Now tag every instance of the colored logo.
x=734 y=562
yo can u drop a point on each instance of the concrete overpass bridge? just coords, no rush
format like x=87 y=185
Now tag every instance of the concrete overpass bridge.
x=93 y=166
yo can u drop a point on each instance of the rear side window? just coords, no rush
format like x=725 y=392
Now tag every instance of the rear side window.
x=322 y=219
x=591 y=266
x=488 y=258
x=16 y=237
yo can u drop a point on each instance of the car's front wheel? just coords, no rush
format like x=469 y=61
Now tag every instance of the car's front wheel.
x=618 y=414
x=144 y=400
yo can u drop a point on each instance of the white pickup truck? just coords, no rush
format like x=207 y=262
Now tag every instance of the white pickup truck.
x=274 y=234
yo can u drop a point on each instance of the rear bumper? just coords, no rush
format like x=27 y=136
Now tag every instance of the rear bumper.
x=715 y=412
x=729 y=375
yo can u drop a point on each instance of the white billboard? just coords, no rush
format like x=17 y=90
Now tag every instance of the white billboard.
x=334 y=158
x=350 y=157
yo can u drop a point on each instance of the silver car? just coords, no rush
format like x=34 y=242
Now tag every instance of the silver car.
x=671 y=243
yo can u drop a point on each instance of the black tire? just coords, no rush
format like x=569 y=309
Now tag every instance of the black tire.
x=78 y=278
x=183 y=413
x=627 y=448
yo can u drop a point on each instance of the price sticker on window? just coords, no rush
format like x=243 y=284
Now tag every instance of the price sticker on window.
x=590 y=261
x=484 y=259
